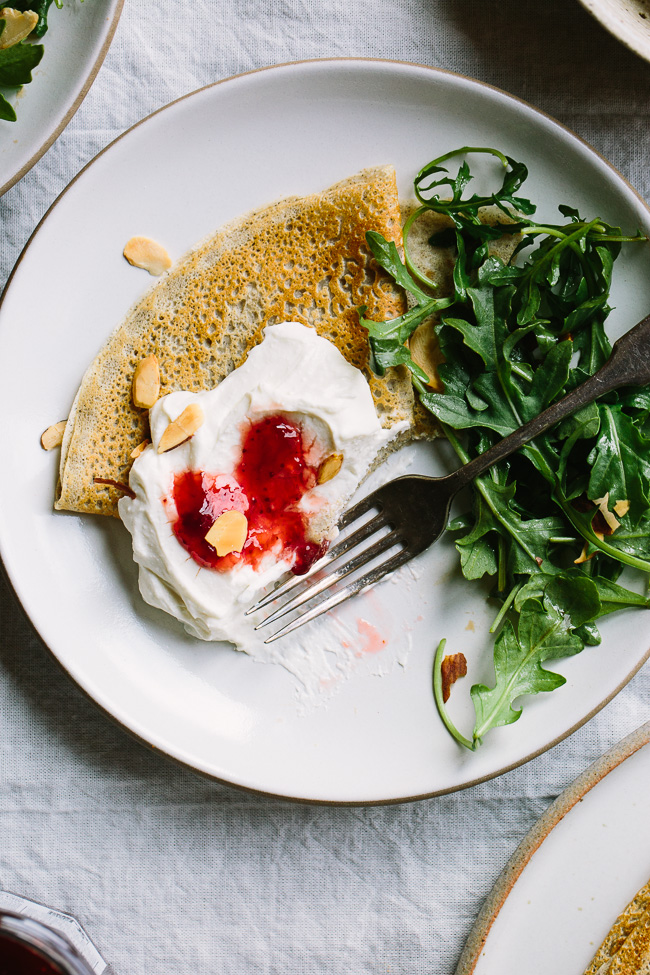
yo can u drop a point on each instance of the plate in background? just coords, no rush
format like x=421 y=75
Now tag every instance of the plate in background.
x=177 y=176
x=75 y=45
x=575 y=872
x=627 y=20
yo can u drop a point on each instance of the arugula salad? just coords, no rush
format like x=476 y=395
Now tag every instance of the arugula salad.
x=553 y=526
x=18 y=56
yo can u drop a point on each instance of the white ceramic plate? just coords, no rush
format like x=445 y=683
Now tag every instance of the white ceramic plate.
x=75 y=45
x=574 y=873
x=175 y=177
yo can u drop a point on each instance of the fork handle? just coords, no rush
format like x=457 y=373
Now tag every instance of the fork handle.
x=628 y=365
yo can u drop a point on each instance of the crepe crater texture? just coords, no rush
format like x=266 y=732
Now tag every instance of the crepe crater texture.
x=626 y=949
x=302 y=259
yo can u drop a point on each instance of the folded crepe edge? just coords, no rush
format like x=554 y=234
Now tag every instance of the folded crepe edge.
x=226 y=239
x=637 y=912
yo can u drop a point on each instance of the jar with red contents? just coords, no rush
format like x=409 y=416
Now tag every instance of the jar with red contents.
x=35 y=940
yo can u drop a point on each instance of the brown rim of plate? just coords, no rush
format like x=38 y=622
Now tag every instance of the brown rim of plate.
x=524 y=853
x=621 y=27
x=207 y=775
x=73 y=108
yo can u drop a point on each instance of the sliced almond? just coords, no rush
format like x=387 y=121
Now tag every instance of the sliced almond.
x=118 y=485
x=453 y=668
x=228 y=533
x=425 y=352
x=329 y=468
x=146 y=383
x=182 y=428
x=147 y=254
x=53 y=436
x=138 y=450
x=583 y=557
x=18 y=26
x=622 y=507
x=603 y=506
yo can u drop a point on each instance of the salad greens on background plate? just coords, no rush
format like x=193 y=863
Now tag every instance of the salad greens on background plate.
x=372 y=738
x=45 y=77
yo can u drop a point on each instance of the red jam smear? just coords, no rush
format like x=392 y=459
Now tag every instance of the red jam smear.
x=200 y=499
x=272 y=476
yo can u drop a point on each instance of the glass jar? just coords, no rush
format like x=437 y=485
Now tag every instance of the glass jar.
x=35 y=940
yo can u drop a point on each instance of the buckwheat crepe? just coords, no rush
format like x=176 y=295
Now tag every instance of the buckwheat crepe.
x=626 y=949
x=300 y=259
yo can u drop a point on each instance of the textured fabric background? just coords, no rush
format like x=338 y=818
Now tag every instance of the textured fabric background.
x=173 y=875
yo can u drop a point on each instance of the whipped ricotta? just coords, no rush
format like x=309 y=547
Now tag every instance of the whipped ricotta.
x=293 y=372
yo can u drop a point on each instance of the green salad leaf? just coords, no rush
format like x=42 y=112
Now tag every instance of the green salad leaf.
x=16 y=65
x=552 y=526
x=18 y=61
x=40 y=7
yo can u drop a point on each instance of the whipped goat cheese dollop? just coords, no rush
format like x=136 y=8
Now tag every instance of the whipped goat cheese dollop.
x=293 y=375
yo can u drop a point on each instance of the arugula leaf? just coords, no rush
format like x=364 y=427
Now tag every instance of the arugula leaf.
x=614 y=597
x=17 y=63
x=542 y=634
x=574 y=596
x=461 y=414
x=457 y=208
x=514 y=337
x=619 y=462
x=553 y=624
x=477 y=551
x=387 y=256
x=549 y=381
x=387 y=354
x=6 y=110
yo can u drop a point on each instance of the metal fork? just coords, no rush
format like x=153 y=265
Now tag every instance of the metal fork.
x=416 y=508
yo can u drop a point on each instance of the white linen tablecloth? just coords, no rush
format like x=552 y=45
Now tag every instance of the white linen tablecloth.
x=174 y=875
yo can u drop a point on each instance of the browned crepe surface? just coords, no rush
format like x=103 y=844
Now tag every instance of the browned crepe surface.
x=626 y=949
x=300 y=259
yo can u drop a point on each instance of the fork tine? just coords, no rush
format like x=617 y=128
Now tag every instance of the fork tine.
x=370 y=501
x=357 y=586
x=363 y=558
x=340 y=548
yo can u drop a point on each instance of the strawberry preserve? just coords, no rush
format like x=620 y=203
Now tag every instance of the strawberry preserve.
x=272 y=476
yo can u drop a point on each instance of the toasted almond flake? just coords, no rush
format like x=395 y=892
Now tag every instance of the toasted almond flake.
x=182 y=428
x=425 y=352
x=329 y=468
x=583 y=557
x=148 y=254
x=228 y=533
x=453 y=667
x=53 y=436
x=18 y=26
x=138 y=450
x=146 y=383
x=118 y=485
x=603 y=507
x=622 y=507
